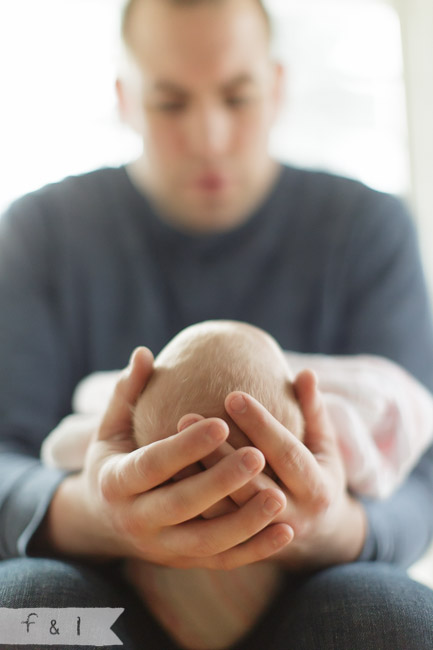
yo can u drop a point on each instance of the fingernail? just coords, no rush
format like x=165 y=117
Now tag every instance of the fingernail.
x=215 y=433
x=238 y=404
x=271 y=506
x=281 y=540
x=250 y=462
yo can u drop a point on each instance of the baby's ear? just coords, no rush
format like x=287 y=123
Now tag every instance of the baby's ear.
x=187 y=420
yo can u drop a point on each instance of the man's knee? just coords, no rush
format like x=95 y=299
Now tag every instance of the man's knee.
x=43 y=582
x=367 y=606
x=33 y=583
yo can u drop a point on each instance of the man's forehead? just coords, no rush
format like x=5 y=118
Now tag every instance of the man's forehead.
x=225 y=85
x=219 y=39
x=136 y=10
x=131 y=5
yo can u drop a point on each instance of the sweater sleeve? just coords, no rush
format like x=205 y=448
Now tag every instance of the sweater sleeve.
x=401 y=528
x=33 y=390
x=387 y=312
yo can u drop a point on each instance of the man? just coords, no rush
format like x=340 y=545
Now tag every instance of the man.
x=206 y=225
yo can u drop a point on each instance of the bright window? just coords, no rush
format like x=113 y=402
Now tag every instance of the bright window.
x=345 y=107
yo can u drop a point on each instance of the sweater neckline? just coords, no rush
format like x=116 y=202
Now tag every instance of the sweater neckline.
x=167 y=231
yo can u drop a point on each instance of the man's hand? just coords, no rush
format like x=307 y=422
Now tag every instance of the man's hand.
x=123 y=503
x=328 y=524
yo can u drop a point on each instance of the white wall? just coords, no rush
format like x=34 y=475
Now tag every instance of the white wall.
x=416 y=18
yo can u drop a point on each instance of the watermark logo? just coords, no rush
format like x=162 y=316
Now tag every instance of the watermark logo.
x=62 y=627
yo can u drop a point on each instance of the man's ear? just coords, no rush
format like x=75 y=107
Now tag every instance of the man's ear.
x=121 y=102
x=278 y=86
x=129 y=107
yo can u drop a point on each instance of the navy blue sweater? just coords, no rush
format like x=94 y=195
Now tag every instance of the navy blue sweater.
x=88 y=271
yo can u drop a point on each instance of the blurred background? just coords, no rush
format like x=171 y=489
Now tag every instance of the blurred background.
x=359 y=97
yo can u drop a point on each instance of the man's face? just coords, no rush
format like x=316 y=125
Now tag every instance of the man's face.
x=204 y=98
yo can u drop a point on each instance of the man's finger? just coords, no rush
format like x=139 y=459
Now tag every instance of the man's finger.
x=260 y=547
x=177 y=502
x=118 y=417
x=145 y=468
x=319 y=433
x=187 y=420
x=290 y=459
x=205 y=539
x=250 y=489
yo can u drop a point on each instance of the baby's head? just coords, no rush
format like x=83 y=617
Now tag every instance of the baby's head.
x=200 y=366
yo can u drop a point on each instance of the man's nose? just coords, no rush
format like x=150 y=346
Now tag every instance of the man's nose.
x=208 y=131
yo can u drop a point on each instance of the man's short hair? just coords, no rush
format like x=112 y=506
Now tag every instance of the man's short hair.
x=130 y=4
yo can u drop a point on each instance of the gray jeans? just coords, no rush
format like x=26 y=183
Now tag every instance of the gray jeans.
x=361 y=606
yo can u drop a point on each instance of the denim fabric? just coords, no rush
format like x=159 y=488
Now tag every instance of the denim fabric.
x=31 y=582
x=361 y=606
x=364 y=606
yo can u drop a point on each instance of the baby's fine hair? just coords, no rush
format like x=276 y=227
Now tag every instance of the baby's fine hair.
x=204 y=363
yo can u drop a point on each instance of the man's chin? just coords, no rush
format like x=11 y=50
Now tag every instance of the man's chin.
x=208 y=214
x=209 y=221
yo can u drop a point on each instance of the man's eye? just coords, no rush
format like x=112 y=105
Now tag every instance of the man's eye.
x=171 y=107
x=237 y=101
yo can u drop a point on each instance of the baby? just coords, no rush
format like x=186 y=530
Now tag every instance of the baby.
x=200 y=366
x=209 y=610
x=194 y=373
